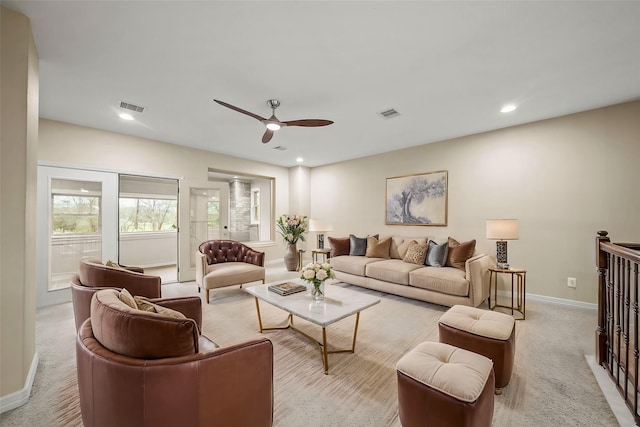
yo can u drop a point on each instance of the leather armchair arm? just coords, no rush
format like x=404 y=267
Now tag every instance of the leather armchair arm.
x=254 y=257
x=240 y=373
x=144 y=286
x=191 y=307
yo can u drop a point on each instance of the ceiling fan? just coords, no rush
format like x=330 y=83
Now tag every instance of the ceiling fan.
x=272 y=123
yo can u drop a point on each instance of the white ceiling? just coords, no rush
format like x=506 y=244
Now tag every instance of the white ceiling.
x=447 y=67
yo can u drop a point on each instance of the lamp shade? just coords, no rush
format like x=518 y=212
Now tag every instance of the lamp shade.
x=502 y=229
x=318 y=225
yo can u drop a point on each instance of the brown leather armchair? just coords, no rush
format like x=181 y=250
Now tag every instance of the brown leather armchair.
x=138 y=368
x=93 y=276
x=227 y=262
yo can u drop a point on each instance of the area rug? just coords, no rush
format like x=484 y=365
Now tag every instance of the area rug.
x=551 y=383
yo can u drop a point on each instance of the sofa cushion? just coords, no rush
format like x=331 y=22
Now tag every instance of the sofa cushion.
x=339 y=246
x=391 y=270
x=446 y=280
x=231 y=273
x=352 y=264
x=459 y=253
x=416 y=253
x=437 y=254
x=378 y=248
x=357 y=245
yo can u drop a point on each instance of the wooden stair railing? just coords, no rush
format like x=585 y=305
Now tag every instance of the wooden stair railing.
x=618 y=316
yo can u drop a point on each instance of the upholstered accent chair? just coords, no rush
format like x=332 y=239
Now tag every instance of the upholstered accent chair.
x=140 y=368
x=94 y=276
x=223 y=263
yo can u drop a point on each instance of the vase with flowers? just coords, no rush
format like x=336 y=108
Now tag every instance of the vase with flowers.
x=316 y=273
x=292 y=229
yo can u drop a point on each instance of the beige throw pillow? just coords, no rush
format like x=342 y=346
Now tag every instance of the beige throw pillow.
x=112 y=264
x=145 y=305
x=416 y=253
x=126 y=297
x=378 y=248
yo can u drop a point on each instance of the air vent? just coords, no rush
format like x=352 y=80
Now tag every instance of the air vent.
x=131 y=107
x=387 y=114
x=280 y=148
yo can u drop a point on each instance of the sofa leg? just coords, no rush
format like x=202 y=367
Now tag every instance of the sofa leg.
x=206 y=295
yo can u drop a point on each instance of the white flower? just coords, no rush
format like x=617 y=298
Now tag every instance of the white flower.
x=321 y=275
x=326 y=266
x=309 y=274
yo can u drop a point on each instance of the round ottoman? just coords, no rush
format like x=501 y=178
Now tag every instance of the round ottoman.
x=442 y=385
x=485 y=332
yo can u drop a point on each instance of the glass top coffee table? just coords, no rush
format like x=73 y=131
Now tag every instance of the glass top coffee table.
x=337 y=305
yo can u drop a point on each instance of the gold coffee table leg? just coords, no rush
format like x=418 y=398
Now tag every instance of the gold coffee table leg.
x=325 y=356
x=259 y=318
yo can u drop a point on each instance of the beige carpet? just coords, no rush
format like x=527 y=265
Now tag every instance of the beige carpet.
x=552 y=384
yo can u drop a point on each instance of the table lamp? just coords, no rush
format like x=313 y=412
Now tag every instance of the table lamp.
x=502 y=230
x=320 y=228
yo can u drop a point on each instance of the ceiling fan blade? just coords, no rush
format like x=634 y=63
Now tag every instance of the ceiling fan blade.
x=240 y=110
x=267 y=136
x=308 y=122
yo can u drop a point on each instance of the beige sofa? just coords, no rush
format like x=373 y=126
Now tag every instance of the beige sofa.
x=439 y=285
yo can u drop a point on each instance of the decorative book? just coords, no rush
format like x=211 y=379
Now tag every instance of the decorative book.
x=287 y=288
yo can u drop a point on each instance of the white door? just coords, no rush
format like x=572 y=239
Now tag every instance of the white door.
x=208 y=220
x=77 y=219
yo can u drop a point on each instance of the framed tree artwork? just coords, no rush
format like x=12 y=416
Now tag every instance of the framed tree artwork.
x=419 y=199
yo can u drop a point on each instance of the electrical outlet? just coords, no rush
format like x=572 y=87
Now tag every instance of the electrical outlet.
x=571 y=282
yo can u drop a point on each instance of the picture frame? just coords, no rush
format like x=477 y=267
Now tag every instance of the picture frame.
x=419 y=199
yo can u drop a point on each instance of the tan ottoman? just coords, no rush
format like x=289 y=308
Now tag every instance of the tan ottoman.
x=442 y=385
x=485 y=332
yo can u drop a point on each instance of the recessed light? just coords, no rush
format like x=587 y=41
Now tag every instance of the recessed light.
x=299 y=160
x=508 y=108
x=125 y=116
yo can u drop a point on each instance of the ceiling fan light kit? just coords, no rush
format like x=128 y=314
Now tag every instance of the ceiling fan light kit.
x=272 y=123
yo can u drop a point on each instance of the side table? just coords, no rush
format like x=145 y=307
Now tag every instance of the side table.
x=326 y=254
x=518 y=289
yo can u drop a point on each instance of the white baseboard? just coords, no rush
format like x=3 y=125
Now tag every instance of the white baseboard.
x=553 y=300
x=20 y=397
x=615 y=401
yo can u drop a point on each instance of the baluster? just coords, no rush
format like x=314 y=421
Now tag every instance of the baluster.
x=636 y=353
x=610 y=311
x=626 y=288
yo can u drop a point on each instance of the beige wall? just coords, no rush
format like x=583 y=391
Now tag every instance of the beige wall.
x=77 y=146
x=564 y=179
x=19 y=135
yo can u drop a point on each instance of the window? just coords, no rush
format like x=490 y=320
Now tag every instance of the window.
x=76 y=214
x=255 y=206
x=144 y=214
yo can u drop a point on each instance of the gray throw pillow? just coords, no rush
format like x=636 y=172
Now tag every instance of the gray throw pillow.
x=357 y=245
x=437 y=254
